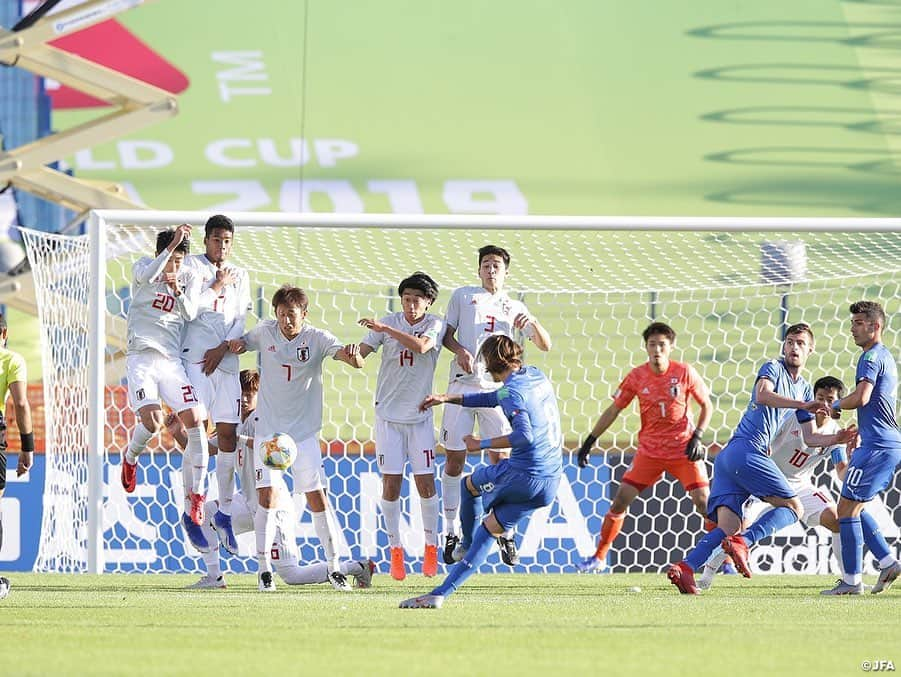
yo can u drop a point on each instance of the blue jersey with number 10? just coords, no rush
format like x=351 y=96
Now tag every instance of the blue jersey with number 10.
x=528 y=401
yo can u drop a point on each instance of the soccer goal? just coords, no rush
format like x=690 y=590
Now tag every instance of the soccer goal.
x=728 y=286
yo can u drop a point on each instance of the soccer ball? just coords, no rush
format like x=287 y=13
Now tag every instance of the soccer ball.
x=279 y=451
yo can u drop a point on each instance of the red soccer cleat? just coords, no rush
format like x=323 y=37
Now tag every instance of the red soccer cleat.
x=129 y=475
x=737 y=548
x=398 y=569
x=682 y=576
x=430 y=561
x=196 y=514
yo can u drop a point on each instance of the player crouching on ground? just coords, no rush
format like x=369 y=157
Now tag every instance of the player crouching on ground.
x=516 y=486
x=244 y=502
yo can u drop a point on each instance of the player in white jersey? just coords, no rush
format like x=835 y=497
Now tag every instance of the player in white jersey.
x=474 y=314
x=212 y=369
x=163 y=298
x=411 y=342
x=291 y=359
x=797 y=461
x=284 y=546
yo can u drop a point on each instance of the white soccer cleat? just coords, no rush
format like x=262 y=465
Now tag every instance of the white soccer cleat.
x=339 y=581
x=842 y=588
x=266 y=582
x=208 y=582
x=364 y=578
x=705 y=582
x=886 y=577
x=423 y=602
x=4 y=587
x=459 y=552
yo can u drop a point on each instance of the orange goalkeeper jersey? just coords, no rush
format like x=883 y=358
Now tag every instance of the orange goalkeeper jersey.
x=663 y=403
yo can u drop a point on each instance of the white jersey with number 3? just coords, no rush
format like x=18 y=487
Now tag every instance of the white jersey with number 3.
x=477 y=314
x=795 y=459
x=220 y=315
x=290 y=399
x=405 y=377
x=156 y=317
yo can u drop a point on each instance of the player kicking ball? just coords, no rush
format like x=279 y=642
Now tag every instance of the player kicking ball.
x=513 y=488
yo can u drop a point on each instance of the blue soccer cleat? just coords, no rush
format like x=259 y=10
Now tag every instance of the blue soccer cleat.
x=194 y=534
x=222 y=523
x=590 y=565
x=728 y=569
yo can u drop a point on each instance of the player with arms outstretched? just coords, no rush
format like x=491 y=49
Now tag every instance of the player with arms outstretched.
x=516 y=486
x=13 y=382
x=873 y=464
x=213 y=371
x=744 y=468
x=163 y=298
x=412 y=342
x=284 y=547
x=667 y=441
x=291 y=360
x=473 y=315
x=797 y=461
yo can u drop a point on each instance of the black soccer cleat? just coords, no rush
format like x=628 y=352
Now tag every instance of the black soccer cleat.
x=451 y=541
x=508 y=550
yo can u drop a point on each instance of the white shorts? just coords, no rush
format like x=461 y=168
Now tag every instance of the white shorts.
x=459 y=421
x=813 y=499
x=307 y=470
x=153 y=377
x=284 y=547
x=397 y=442
x=219 y=393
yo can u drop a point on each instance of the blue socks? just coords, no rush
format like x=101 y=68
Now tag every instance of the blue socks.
x=769 y=523
x=705 y=548
x=478 y=552
x=852 y=545
x=470 y=512
x=873 y=537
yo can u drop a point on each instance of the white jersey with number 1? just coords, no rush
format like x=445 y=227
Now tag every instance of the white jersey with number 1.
x=795 y=459
x=220 y=316
x=290 y=399
x=477 y=314
x=405 y=378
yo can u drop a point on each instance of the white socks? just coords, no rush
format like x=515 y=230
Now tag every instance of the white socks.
x=430 y=519
x=837 y=552
x=391 y=518
x=198 y=455
x=225 y=479
x=140 y=436
x=264 y=528
x=450 y=491
x=326 y=538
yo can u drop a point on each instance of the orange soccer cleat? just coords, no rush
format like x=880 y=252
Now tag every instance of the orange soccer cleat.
x=430 y=561
x=682 y=576
x=398 y=570
x=737 y=548
x=129 y=475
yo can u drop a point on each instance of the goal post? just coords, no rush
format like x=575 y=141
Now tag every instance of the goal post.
x=728 y=286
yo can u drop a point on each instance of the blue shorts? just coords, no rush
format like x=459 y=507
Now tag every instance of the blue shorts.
x=869 y=472
x=511 y=494
x=740 y=471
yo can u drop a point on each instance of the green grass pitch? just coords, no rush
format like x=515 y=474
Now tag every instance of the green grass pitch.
x=497 y=624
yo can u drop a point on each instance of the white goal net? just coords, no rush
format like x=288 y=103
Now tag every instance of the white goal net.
x=727 y=287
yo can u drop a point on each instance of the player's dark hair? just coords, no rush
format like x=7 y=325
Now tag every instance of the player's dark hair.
x=659 y=329
x=499 y=353
x=828 y=383
x=420 y=282
x=289 y=295
x=164 y=239
x=871 y=309
x=250 y=380
x=489 y=249
x=799 y=328
x=218 y=222
x=2 y=321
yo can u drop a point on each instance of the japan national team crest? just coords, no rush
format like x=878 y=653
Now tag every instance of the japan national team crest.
x=674 y=387
x=303 y=353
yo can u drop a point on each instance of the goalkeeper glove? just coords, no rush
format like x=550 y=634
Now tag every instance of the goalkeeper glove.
x=585 y=450
x=693 y=450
